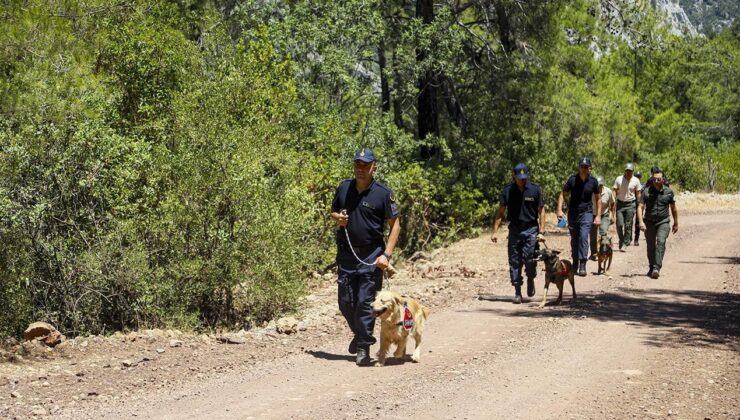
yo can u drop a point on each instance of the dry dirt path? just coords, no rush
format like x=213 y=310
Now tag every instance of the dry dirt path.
x=631 y=347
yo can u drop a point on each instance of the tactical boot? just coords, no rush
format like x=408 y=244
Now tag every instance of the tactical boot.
x=363 y=358
x=353 y=346
x=530 y=286
x=517 y=295
x=637 y=242
x=655 y=274
x=582 y=268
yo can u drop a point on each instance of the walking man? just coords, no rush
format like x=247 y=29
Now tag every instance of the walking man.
x=655 y=222
x=606 y=195
x=627 y=189
x=526 y=216
x=584 y=199
x=361 y=208
x=638 y=175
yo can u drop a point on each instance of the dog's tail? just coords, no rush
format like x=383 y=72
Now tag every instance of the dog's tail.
x=425 y=311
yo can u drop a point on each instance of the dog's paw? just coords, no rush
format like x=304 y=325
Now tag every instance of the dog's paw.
x=379 y=364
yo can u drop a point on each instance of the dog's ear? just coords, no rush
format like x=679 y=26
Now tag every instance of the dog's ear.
x=555 y=252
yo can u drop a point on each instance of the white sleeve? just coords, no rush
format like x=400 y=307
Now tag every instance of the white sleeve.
x=616 y=183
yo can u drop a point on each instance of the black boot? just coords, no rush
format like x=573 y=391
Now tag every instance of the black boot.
x=530 y=286
x=582 y=268
x=517 y=295
x=363 y=356
x=353 y=346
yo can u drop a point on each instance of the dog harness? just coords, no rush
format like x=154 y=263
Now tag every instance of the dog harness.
x=408 y=318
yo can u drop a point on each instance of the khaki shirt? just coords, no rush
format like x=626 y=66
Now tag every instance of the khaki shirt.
x=657 y=204
x=607 y=197
x=627 y=190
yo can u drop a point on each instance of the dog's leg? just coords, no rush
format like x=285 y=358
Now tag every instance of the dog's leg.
x=608 y=267
x=400 y=352
x=572 y=285
x=544 y=297
x=383 y=351
x=416 y=357
x=560 y=292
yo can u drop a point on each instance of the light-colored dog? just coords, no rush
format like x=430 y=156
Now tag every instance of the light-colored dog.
x=400 y=316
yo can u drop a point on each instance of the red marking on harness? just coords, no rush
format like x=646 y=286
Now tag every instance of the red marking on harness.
x=408 y=318
x=564 y=268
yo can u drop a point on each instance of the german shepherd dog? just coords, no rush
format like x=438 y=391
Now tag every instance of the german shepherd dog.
x=556 y=271
x=605 y=254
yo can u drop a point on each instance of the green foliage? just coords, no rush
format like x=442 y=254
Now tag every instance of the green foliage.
x=172 y=163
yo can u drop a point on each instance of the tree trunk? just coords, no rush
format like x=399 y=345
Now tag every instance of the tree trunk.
x=385 y=93
x=427 y=117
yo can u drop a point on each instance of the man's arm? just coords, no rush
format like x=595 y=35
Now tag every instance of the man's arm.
x=340 y=217
x=541 y=221
x=395 y=227
x=561 y=200
x=640 y=210
x=674 y=213
x=597 y=207
x=497 y=222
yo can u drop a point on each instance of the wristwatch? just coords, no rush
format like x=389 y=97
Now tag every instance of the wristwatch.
x=387 y=255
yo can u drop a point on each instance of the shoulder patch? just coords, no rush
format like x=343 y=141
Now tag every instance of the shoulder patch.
x=392 y=197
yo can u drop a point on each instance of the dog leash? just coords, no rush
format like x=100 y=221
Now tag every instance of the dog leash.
x=387 y=273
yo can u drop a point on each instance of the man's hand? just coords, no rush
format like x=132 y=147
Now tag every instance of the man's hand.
x=494 y=239
x=343 y=218
x=560 y=214
x=643 y=227
x=540 y=237
x=675 y=227
x=597 y=220
x=381 y=262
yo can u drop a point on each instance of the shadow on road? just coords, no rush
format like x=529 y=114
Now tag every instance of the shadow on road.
x=330 y=356
x=721 y=260
x=685 y=318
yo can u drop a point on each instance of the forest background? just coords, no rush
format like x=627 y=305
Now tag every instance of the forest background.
x=172 y=163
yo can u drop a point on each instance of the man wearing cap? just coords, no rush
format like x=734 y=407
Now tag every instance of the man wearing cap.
x=361 y=208
x=627 y=189
x=584 y=199
x=655 y=222
x=638 y=175
x=526 y=216
x=607 y=215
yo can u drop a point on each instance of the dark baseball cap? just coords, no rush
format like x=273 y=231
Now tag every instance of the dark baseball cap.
x=584 y=161
x=521 y=171
x=366 y=155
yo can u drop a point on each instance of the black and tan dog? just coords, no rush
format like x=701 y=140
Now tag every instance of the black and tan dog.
x=556 y=271
x=605 y=254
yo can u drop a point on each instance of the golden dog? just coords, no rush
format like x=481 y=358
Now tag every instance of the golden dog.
x=400 y=316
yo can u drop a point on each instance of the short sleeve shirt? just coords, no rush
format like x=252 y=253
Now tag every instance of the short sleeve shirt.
x=522 y=207
x=581 y=194
x=657 y=204
x=627 y=189
x=607 y=198
x=368 y=211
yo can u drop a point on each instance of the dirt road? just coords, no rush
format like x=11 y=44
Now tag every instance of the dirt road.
x=629 y=347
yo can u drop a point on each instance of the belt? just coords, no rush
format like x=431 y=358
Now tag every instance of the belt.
x=363 y=249
x=626 y=202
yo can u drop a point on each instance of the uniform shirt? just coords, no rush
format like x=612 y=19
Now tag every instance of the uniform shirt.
x=657 y=204
x=522 y=207
x=581 y=194
x=368 y=211
x=607 y=197
x=627 y=189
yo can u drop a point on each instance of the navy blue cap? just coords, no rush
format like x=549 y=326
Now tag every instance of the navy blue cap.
x=521 y=171
x=366 y=155
x=584 y=161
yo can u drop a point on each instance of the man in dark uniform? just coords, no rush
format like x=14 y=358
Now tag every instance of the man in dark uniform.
x=655 y=221
x=526 y=216
x=582 y=204
x=361 y=207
